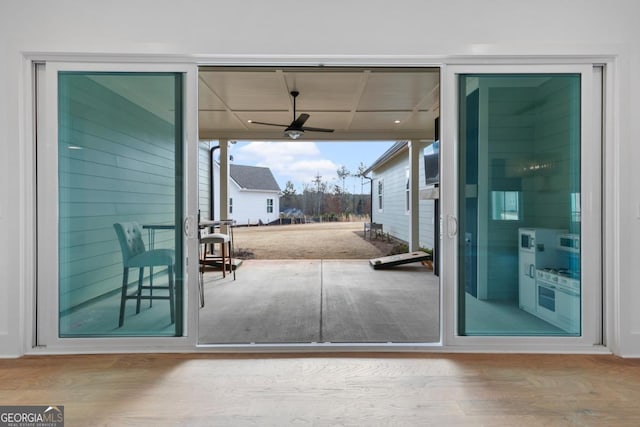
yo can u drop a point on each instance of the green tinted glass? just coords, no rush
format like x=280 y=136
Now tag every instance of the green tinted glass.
x=519 y=198
x=120 y=204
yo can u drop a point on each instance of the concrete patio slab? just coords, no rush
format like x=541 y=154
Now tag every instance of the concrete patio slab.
x=305 y=301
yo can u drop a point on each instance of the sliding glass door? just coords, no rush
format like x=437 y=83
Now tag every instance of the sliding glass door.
x=525 y=222
x=112 y=203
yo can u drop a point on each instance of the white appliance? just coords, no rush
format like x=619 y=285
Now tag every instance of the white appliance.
x=569 y=242
x=558 y=298
x=538 y=248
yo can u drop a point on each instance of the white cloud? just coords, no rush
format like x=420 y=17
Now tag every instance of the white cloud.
x=305 y=171
x=297 y=161
x=277 y=152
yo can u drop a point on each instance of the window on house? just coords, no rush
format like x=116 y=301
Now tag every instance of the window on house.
x=230 y=205
x=380 y=193
x=407 y=193
x=269 y=205
x=505 y=205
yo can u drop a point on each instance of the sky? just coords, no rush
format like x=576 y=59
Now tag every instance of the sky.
x=301 y=161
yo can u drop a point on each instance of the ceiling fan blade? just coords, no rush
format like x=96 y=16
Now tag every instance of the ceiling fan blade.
x=316 y=129
x=268 y=124
x=297 y=123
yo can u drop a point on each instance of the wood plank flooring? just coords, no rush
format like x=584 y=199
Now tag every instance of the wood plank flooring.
x=329 y=389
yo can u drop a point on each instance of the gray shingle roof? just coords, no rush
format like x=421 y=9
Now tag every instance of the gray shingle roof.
x=253 y=177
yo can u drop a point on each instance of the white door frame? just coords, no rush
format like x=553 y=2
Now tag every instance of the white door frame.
x=591 y=188
x=189 y=64
x=48 y=339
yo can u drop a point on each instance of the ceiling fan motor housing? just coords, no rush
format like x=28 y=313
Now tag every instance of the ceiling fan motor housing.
x=296 y=128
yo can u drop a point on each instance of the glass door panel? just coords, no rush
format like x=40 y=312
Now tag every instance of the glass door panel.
x=120 y=204
x=519 y=205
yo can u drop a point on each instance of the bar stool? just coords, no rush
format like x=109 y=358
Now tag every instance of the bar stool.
x=224 y=260
x=135 y=255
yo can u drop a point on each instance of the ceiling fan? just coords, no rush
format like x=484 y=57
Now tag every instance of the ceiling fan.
x=296 y=128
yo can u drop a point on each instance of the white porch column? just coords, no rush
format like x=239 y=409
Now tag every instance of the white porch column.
x=224 y=181
x=414 y=191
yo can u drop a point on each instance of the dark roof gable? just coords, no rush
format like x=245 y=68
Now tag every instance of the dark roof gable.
x=253 y=177
x=390 y=153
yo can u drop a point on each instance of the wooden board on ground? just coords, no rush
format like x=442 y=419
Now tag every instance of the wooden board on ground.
x=217 y=264
x=399 y=259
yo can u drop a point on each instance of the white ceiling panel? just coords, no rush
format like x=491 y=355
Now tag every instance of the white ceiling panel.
x=245 y=90
x=379 y=120
x=207 y=100
x=325 y=91
x=396 y=91
x=358 y=103
x=422 y=119
x=221 y=120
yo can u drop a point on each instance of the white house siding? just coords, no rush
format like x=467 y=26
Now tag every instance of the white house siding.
x=123 y=172
x=250 y=207
x=540 y=133
x=551 y=136
x=394 y=217
x=427 y=225
x=203 y=179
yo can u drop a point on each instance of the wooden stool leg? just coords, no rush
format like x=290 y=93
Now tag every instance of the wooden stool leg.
x=231 y=269
x=171 y=296
x=140 y=277
x=123 y=297
x=223 y=248
x=203 y=255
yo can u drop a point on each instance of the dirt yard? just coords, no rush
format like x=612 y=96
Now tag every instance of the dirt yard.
x=329 y=240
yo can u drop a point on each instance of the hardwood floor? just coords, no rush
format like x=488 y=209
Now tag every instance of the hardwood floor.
x=329 y=389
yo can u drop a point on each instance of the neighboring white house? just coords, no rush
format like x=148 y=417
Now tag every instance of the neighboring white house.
x=254 y=195
x=390 y=205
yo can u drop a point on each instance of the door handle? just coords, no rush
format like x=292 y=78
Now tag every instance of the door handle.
x=531 y=273
x=452 y=226
x=189 y=228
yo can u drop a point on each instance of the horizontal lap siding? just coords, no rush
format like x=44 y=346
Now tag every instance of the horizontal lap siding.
x=250 y=207
x=526 y=126
x=553 y=139
x=394 y=217
x=123 y=171
x=203 y=179
x=511 y=118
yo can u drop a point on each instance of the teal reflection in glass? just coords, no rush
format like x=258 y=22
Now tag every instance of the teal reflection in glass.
x=519 y=198
x=119 y=160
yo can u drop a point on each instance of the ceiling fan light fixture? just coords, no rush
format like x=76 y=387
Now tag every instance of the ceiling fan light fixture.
x=296 y=128
x=293 y=133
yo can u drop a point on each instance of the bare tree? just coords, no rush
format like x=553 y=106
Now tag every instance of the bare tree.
x=343 y=173
x=319 y=186
x=361 y=168
x=288 y=198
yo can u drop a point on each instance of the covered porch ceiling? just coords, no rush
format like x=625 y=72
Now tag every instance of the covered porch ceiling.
x=358 y=103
